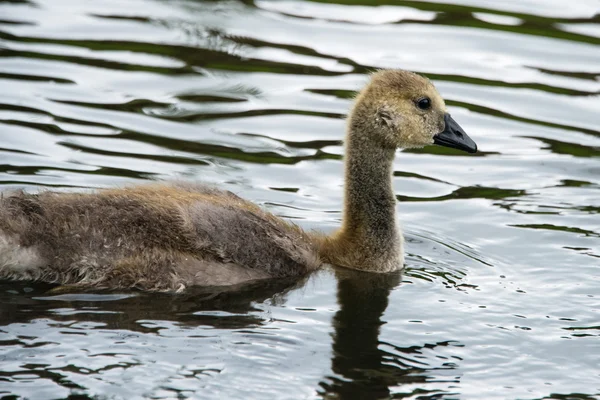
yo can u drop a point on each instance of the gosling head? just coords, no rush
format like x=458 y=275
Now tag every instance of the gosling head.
x=401 y=109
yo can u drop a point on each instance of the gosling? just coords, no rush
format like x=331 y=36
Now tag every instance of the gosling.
x=170 y=236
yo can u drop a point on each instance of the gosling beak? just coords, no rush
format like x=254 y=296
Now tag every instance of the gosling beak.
x=454 y=136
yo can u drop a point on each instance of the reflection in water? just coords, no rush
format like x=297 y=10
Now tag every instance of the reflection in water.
x=94 y=343
x=24 y=302
x=363 y=368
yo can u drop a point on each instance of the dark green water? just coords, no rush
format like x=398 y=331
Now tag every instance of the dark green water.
x=501 y=296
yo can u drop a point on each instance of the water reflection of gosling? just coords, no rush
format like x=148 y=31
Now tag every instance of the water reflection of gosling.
x=167 y=236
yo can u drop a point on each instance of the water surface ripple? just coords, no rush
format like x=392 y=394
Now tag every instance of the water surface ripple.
x=501 y=296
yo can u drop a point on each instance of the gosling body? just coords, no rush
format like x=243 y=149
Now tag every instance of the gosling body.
x=158 y=237
x=169 y=236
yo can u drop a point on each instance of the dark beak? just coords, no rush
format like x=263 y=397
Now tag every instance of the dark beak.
x=454 y=136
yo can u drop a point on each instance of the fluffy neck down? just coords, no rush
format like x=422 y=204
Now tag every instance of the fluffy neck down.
x=369 y=238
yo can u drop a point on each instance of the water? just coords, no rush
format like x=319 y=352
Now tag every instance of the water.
x=501 y=297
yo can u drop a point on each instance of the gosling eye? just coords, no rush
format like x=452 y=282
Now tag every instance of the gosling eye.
x=424 y=103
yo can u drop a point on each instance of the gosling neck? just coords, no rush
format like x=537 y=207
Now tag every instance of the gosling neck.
x=369 y=205
x=369 y=238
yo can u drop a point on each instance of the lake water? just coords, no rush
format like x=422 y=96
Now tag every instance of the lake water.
x=501 y=295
